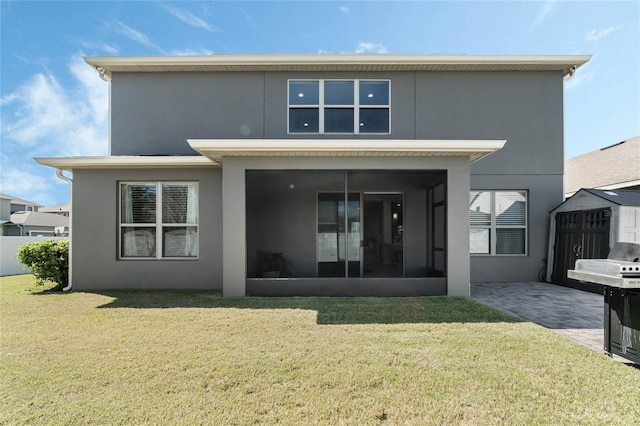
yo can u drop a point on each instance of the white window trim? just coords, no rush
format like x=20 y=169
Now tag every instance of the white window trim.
x=493 y=234
x=159 y=225
x=321 y=106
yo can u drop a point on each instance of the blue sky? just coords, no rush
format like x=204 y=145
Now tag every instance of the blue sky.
x=53 y=104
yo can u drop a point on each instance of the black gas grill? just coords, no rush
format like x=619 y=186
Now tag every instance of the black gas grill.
x=619 y=274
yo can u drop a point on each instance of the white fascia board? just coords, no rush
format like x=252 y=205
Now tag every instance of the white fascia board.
x=215 y=149
x=406 y=62
x=315 y=59
x=125 y=162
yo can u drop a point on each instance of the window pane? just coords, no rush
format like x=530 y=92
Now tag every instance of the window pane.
x=480 y=208
x=138 y=203
x=138 y=241
x=374 y=93
x=180 y=203
x=338 y=92
x=304 y=92
x=338 y=120
x=479 y=241
x=303 y=120
x=374 y=120
x=510 y=241
x=180 y=241
x=510 y=208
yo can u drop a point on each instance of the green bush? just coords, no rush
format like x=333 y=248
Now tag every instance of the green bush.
x=48 y=260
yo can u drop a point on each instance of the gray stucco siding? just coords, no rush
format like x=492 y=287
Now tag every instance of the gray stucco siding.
x=525 y=108
x=544 y=194
x=95 y=234
x=155 y=113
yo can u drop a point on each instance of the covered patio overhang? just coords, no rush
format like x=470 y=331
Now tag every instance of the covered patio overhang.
x=237 y=157
x=217 y=149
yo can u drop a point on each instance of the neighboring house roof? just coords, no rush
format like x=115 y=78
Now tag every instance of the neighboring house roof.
x=622 y=197
x=612 y=167
x=56 y=208
x=567 y=64
x=619 y=197
x=39 y=219
x=15 y=200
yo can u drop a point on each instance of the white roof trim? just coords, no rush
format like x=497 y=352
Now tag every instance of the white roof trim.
x=217 y=149
x=125 y=162
x=337 y=62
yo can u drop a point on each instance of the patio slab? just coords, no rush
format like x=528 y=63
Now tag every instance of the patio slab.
x=574 y=314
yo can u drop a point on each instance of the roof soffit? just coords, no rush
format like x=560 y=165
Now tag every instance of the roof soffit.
x=107 y=65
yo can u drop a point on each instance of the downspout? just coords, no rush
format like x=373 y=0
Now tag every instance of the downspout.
x=70 y=181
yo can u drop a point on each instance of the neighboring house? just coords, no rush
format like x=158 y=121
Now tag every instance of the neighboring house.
x=587 y=225
x=61 y=209
x=613 y=167
x=226 y=169
x=10 y=205
x=28 y=224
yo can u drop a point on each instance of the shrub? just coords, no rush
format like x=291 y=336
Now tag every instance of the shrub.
x=48 y=260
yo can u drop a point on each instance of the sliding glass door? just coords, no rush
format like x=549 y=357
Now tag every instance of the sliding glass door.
x=338 y=234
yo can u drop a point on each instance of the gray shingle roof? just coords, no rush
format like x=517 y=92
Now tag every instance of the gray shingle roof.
x=15 y=200
x=622 y=197
x=611 y=165
x=56 y=208
x=39 y=219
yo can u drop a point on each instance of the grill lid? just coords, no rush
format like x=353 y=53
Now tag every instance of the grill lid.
x=623 y=261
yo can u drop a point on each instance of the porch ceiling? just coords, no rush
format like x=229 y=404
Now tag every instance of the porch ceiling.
x=217 y=149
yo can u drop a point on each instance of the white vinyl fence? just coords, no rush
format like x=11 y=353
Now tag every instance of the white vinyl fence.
x=9 y=264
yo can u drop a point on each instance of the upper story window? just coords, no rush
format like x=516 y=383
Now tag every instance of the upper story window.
x=339 y=106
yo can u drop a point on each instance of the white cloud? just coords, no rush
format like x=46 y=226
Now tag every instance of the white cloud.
x=105 y=47
x=50 y=119
x=28 y=185
x=135 y=35
x=192 y=52
x=44 y=118
x=189 y=18
x=578 y=79
x=345 y=9
x=246 y=15
x=543 y=13
x=595 y=35
x=366 y=47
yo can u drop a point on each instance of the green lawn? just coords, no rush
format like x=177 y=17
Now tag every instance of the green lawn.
x=134 y=357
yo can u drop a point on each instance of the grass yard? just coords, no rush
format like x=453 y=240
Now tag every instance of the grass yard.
x=135 y=357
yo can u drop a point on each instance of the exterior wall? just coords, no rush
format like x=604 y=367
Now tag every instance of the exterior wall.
x=5 y=208
x=545 y=193
x=629 y=220
x=12 y=230
x=154 y=113
x=95 y=234
x=9 y=264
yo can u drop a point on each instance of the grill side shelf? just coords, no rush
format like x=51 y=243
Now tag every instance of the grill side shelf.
x=607 y=280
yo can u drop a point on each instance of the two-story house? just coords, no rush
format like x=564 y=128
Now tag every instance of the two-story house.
x=321 y=174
